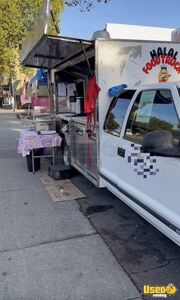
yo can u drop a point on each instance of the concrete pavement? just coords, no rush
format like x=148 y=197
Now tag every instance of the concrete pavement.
x=48 y=251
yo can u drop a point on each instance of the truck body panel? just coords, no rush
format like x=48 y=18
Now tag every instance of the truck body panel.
x=150 y=182
x=122 y=62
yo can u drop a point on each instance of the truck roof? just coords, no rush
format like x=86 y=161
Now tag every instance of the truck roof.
x=139 y=32
x=156 y=85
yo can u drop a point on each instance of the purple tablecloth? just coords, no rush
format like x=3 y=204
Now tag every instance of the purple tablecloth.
x=30 y=140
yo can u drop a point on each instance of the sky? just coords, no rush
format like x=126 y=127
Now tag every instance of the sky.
x=159 y=13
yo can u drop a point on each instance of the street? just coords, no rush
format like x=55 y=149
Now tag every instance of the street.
x=147 y=256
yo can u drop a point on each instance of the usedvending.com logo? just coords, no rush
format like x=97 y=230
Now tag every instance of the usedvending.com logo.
x=160 y=291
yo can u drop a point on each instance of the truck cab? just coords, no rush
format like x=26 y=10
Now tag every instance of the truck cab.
x=140 y=153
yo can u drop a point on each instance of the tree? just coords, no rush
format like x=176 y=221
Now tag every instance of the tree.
x=17 y=17
x=84 y=5
x=10 y=32
x=30 y=10
x=113 y=125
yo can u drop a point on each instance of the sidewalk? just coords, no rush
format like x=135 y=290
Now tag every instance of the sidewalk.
x=48 y=250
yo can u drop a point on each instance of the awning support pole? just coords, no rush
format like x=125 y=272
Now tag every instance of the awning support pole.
x=84 y=51
x=55 y=22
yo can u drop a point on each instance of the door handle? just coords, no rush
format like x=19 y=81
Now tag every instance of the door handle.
x=121 y=152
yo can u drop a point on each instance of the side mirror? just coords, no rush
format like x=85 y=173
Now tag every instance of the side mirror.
x=159 y=142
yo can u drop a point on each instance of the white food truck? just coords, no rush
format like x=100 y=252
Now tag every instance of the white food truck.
x=131 y=144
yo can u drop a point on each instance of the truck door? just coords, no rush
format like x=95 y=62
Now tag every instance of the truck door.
x=141 y=163
x=110 y=135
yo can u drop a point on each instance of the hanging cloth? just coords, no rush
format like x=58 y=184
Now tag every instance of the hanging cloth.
x=90 y=102
x=90 y=109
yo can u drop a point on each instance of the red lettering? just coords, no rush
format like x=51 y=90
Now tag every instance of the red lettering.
x=167 y=60
x=176 y=65
x=163 y=58
x=149 y=66
x=178 y=70
x=145 y=70
x=172 y=62
x=153 y=62
x=158 y=60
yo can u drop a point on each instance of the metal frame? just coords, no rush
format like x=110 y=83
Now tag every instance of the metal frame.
x=37 y=57
x=45 y=155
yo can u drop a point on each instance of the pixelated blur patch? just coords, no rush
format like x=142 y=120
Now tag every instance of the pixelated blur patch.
x=144 y=164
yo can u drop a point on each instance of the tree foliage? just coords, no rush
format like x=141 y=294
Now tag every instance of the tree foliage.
x=84 y=5
x=10 y=32
x=17 y=17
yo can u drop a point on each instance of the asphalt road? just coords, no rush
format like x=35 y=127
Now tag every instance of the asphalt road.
x=147 y=256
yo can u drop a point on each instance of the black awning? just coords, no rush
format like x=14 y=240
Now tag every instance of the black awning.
x=53 y=50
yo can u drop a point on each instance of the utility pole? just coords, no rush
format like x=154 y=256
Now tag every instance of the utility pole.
x=12 y=86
